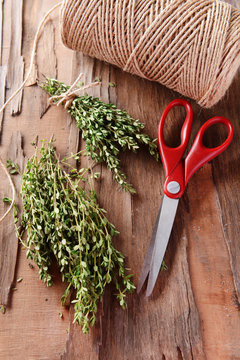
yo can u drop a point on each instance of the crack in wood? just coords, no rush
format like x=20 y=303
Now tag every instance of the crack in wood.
x=189 y=322
x=180 y=354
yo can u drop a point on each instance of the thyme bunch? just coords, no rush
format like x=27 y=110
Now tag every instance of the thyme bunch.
x=64 y=221
x=105 y=130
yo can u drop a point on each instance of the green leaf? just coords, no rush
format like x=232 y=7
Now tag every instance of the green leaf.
x=7 y=200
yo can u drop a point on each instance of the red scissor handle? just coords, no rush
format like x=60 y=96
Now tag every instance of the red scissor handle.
x=172 y=157
x=177 y=172
x=200 y=154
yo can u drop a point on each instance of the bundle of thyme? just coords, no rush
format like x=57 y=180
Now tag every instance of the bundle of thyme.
x=64 y=221
x=105 y=129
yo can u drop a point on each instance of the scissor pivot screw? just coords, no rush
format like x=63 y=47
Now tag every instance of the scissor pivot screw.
x=173 y=187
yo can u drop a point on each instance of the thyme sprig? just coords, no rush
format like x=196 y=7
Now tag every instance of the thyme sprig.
x=64 y=221
x=105 y=130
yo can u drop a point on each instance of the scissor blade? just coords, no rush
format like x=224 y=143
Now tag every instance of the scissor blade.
x=148 y=257
x=165 y=224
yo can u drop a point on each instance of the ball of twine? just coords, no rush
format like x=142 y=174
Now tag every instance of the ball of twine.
x=190 y=46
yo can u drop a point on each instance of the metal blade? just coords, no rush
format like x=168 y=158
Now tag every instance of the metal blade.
x=148 y=257
x=165 y=224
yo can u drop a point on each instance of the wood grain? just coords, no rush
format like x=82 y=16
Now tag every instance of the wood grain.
x=49 y=66
x=3 y=74
x=194 y=312
x=1 y=28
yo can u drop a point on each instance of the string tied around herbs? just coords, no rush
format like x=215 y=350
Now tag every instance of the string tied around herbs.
x=73 y=91
x=105 y=129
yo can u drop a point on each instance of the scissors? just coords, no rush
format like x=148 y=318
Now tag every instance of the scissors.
x=177 y=172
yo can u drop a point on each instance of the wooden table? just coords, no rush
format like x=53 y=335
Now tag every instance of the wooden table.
x=194 y=310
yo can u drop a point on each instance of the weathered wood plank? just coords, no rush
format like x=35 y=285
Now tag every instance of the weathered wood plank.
x=1 y=28
x=15 y=62
x=3 y=74
x=227 y=168
x=210 y=268
x=228 y=191
x=9 y=242
x=34 y=308
x=46 y=50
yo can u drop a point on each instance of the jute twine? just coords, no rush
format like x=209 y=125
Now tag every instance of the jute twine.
x=190 y=46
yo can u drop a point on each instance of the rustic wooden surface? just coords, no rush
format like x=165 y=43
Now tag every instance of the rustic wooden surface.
x=194 y=310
